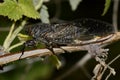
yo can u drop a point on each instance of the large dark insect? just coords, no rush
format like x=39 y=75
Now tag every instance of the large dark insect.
x=78 y=32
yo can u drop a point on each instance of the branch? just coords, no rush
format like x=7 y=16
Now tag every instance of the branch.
x=115 y=14
x=7 y=58
x=4 y=29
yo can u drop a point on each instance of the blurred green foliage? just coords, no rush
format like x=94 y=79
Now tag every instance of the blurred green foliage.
x=42 y=70
x=24 y=71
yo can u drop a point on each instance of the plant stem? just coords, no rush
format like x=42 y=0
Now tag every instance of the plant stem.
x=6 y=42
x=11 y=36
x=16 y=45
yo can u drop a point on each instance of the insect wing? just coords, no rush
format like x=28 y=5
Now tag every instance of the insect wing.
x=68 y=33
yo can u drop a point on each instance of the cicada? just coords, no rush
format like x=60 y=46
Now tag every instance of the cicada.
x=78 y=32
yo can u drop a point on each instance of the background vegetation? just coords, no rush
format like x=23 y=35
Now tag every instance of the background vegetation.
x=20 y=11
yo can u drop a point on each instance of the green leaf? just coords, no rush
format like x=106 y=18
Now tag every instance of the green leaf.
x=74 y=4
x=107 y=5
x=44 y=14
x=11 y=9
x=14 y=9
x=54 y=59
x=28 y=9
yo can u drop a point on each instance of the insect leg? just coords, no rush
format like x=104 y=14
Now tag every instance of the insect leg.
x=22 y=50
x=50 y=47
x=29 y=43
